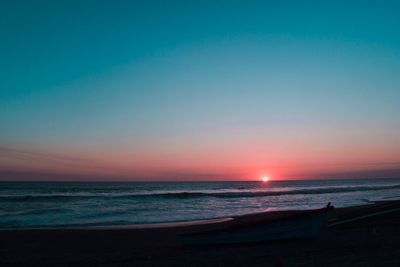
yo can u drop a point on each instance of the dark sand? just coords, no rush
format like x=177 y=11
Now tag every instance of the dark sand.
x=372 y=241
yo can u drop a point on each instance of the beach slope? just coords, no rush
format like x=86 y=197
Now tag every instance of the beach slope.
x=366 y=235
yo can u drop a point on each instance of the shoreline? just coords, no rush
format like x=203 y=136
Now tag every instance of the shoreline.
x=369 y=241
x=189 y=223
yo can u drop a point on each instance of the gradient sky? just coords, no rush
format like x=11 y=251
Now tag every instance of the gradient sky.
x=199 y=90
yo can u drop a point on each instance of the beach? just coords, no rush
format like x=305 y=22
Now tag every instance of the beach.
x=199 y=133
x=368 y=236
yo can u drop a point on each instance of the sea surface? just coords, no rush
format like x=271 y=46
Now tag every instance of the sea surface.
x=86 y=204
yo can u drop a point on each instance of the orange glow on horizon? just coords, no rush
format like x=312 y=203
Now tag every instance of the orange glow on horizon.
x=265 y=178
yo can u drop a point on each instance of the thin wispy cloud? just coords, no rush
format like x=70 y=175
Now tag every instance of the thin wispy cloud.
x=23 y=157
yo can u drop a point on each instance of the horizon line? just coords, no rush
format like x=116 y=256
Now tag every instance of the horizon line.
x=187 y=181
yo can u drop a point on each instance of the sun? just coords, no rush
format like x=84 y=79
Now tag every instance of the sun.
x=265 y=179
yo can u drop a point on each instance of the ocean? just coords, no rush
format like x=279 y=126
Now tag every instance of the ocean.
x=87 y=204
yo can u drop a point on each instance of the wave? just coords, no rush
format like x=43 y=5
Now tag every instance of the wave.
x=314 y=191
x=193 y=194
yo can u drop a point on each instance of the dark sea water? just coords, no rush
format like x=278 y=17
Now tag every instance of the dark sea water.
x=55 y=204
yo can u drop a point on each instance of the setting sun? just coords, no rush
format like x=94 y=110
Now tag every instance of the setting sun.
x=265 y=179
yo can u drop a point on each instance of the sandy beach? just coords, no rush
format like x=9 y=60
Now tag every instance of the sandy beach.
x=199 y=133
x=363 y=240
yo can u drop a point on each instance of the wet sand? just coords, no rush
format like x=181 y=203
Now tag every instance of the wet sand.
x=367 y=241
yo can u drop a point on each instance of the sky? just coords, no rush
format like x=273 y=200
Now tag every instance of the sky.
x=199 y=90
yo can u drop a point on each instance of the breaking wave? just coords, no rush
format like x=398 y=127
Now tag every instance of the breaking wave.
x=195 y=194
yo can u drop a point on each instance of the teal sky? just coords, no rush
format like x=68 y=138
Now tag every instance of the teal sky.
x=296 y=89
